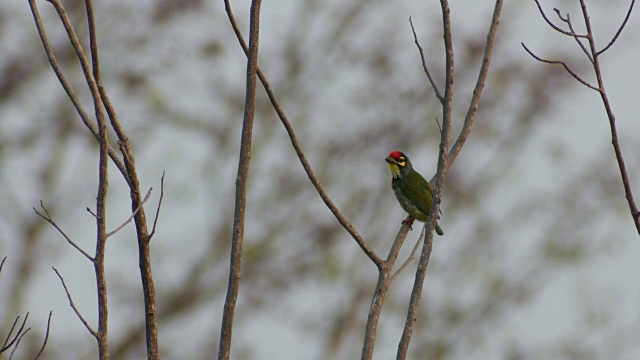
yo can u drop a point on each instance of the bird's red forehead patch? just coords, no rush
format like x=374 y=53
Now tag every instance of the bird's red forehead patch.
x=396 y=154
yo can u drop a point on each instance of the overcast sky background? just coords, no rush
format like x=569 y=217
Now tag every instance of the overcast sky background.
x=184 y=85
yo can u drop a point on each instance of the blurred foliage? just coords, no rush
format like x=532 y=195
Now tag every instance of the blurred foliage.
x=521 y=209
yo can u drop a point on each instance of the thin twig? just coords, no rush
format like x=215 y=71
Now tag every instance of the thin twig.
x=155 y=220
x=566 y=67
x=568 y=33
x=15 y=348
x=6 y=346
x=91 y=212
x=411 y=257
x=2 y=263
x=46 y=337
x=626 y=18
x=298 y=149
x=132 y=215
x=73 y=306
x=9 y=334
x=424 y=63
x=53 y=223
x=224 y=350
x=568 y=21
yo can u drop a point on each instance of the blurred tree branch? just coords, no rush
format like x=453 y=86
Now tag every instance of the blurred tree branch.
x=14 y=341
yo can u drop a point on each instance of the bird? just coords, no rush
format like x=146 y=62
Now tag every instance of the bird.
x=411 y=189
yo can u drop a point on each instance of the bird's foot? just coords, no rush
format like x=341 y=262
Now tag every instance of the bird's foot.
x=409 y=222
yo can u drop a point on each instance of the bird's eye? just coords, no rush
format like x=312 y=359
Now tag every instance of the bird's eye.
x=401 y=158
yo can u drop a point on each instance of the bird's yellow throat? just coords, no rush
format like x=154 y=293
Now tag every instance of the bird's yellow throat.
x=394 y=170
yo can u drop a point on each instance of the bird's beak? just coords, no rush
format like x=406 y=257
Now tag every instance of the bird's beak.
x=391 y=160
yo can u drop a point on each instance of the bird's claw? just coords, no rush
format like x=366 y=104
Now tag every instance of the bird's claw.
x=409 y=222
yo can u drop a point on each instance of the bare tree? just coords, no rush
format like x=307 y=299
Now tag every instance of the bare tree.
x=347 y=76
x=593 y=55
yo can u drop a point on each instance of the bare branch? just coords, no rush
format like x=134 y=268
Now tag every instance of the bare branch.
x=568 y=33
x=380 y=292
x=633 y=208
x=424 y=64
x=2 y=263
x=566 y=67
x=411 y=257
x=73 y=306
x=18 y=343
x=5 y=345
x=155 y=221
x=414 y=303
x=132 y=215
x=626 y=18
x=86 y=120
x=224 y=350
x=568 y=21
x=46 y=337
x=53 y=223
x=303 y=159
x=477 y=91
x=91 y=212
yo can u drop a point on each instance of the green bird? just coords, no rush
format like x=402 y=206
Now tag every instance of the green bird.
x=412 y=191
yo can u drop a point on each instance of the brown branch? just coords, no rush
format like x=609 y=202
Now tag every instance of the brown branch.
x=233 y=288
x=411 y=256
x=155 y=220
x=101 y=236
x=424 y=63
x=477 y=91
x=53 y=223
x=612 y=122
x=46 y=337
x=86 y=120
x=414 y=303
x=91 y=212
x=568 y=21
x=73 y=306
x=566 y=67
x=132 y=215
x=144 y=249
x=382 y=287
x=18 y=343
x=127 y=168
x=298 y=149
x=6 y=346
x=626 y=18
x=555 y=27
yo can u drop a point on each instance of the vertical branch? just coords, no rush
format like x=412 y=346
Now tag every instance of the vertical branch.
x=224 y=350
x=612 y=119
x=412 y=313
x=142 y=231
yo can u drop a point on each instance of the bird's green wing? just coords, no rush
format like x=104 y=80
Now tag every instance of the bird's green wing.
x=418 y=189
